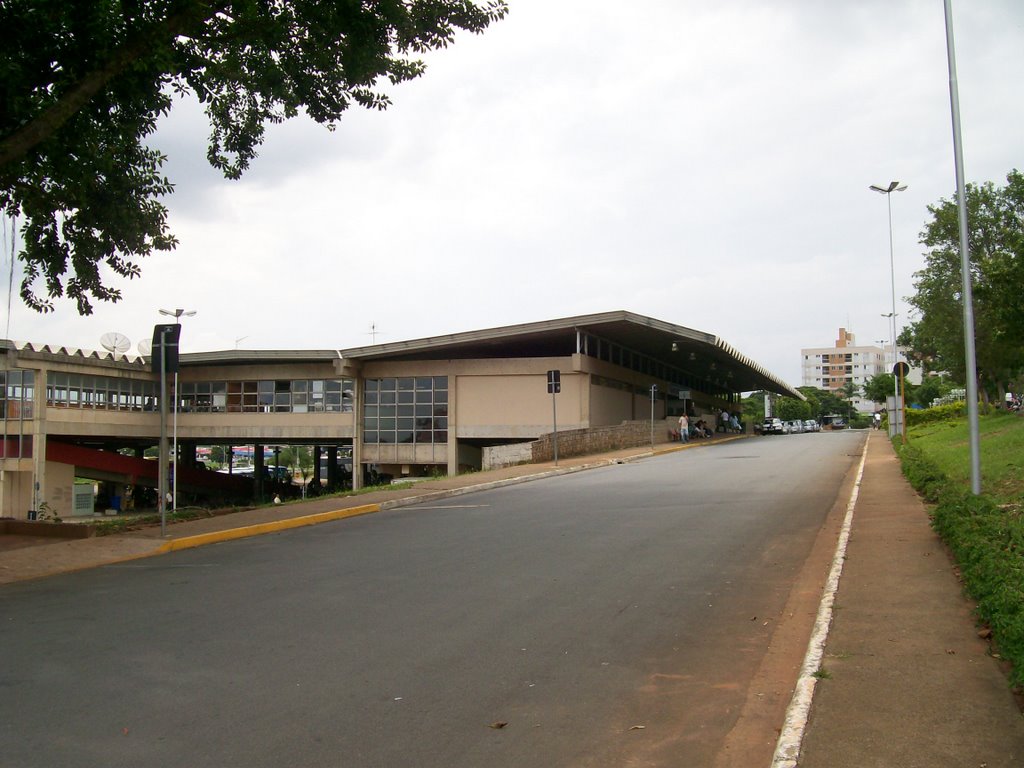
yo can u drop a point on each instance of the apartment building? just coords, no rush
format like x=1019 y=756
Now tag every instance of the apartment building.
x=831 y=368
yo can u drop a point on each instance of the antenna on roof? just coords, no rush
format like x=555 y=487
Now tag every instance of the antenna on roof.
x=373 y=333
x=115 y=343
x=145 y=347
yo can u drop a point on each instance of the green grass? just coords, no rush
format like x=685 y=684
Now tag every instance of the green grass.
x=985 y=532
x=1001 y=442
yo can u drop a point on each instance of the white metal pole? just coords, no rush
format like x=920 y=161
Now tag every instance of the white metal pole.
x=965 y=262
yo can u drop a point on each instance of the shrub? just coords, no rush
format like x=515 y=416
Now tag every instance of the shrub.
x=988 y=543
x=951 y=412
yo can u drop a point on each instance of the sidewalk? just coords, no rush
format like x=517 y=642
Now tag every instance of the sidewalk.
x=909 y=683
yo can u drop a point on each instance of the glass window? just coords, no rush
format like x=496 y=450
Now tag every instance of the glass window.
x=406 y=412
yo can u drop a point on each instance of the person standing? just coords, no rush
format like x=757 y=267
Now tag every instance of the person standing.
x=684 y=429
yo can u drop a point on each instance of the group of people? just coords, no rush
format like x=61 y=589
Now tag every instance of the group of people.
x=698 y=429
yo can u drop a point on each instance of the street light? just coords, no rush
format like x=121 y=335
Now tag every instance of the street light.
x=177 y=315
x=894 y=186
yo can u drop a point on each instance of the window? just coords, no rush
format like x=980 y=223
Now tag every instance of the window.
x=406 y=410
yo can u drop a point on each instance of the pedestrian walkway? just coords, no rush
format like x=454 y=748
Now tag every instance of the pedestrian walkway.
x=906 y=679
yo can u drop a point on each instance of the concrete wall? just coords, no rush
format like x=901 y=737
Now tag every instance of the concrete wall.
x=507 y=455
x=503 y=405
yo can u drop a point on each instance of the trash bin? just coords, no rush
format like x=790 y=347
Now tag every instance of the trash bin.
x=115 y=503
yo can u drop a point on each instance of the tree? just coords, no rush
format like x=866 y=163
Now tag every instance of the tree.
x=996 y=240
x=879 y=387
x=83 y=85
x=789 y=409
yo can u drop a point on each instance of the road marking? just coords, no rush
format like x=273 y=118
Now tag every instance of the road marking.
x=787 y=749
x=455 y=506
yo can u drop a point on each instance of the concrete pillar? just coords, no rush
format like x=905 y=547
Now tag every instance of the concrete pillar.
x=453 y=422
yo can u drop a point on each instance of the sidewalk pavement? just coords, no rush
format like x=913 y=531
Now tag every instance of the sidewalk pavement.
x=908 y=680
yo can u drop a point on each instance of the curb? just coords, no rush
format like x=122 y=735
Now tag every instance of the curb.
x=202 y=539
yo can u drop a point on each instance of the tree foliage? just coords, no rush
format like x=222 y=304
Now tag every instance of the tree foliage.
x=84 y=83
x=996 y=241
x=789 y=409
x=879 y=387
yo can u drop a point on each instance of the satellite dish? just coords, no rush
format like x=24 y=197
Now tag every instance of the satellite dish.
x=115 y=343
x=145 y=347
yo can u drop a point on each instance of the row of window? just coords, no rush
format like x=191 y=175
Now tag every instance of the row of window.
x=610 y=352
x=16 y=391
x=260 y=396
x=72 y=390
x=266 y=396
x=406 y=410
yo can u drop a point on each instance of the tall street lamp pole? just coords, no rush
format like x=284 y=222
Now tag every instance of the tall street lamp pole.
x=894 y=186
x=177 y=315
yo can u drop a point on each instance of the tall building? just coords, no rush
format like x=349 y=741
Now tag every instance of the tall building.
x=831 y=368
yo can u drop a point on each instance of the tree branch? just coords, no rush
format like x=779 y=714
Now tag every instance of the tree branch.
x=16 y=145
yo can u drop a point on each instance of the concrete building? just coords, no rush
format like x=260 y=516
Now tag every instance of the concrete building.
x=831 y=368
x=443 y=404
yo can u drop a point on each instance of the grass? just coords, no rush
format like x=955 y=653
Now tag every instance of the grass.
x=985 y=532
x=1001 y=443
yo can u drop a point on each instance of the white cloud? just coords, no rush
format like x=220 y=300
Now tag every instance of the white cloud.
x=706 y=164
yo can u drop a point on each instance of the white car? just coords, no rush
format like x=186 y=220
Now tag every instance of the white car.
x=810 y=425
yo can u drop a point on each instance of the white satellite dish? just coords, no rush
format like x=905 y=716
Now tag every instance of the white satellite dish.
x=115 y=343
x=145 y=347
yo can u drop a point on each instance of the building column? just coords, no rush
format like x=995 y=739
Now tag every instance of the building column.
x=453 y=410
x=357 y=432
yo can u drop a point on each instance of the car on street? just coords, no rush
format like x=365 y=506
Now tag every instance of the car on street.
x=810 y=425
x=772 y=427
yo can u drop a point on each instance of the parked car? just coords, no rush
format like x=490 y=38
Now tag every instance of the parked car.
x=772 y=427
x=810 y=425
x=795 y=427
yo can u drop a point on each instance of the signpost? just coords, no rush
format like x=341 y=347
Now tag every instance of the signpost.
x=899 y=372
x=554 y=387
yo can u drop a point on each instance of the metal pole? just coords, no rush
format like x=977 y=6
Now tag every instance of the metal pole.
x=892 y=277
x=554 y=424
x=174 y=451
x=654 y=392
x=162 y=469
x=965 y=262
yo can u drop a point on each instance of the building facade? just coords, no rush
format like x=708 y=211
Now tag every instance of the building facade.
x=401 y=409
x=832 y=368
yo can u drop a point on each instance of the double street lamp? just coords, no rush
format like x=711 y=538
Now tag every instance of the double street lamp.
x=893 y=186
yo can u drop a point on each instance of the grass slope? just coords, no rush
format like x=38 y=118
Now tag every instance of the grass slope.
x=986 y=532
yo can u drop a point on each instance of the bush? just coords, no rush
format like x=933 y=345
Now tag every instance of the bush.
x=922 y=473
x=987 y=540
x=988 y=543
x=951 y=412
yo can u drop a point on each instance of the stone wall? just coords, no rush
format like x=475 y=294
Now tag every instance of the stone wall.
x=579 y=442
x=497 y=456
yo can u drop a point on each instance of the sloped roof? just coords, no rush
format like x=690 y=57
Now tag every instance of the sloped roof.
x=704 y=356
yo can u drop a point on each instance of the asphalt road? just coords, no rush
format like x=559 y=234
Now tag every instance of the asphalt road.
x=606 y=618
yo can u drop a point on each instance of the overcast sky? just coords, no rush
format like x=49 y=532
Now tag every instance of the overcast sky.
x=705 y=164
